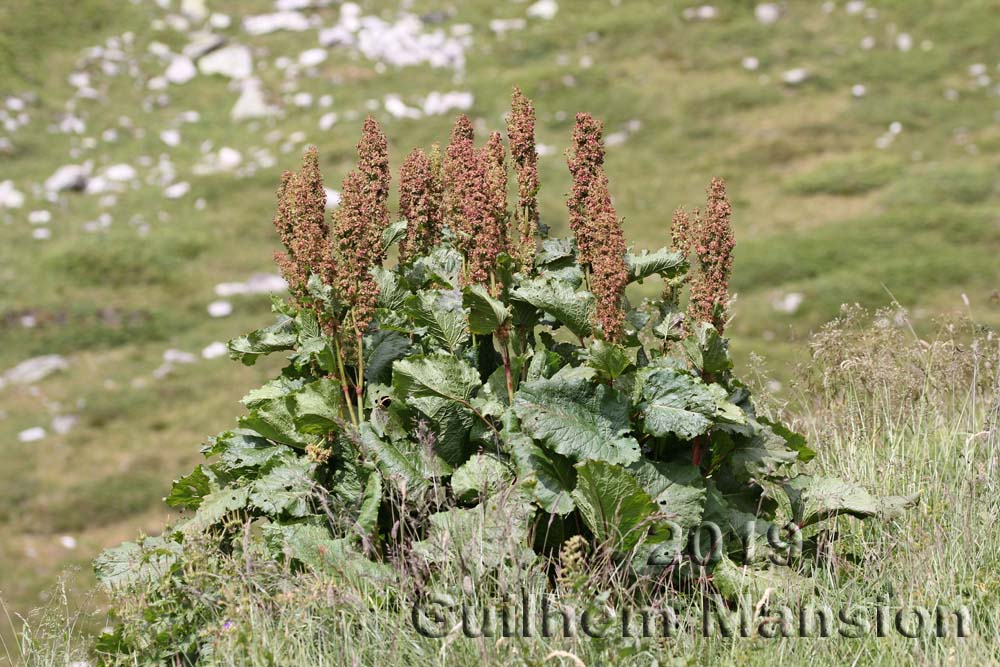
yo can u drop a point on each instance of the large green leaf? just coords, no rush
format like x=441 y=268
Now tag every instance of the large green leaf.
x=675 y=403
x=761 y=455
x=440 y=315
x=663 y=262
x=316 y=407
x=677 y=489
x=577 y=419
x=608 y=359
x=707 y=350
x=486 y=314
x=215 y=507
x=551 y=476
x=382 y=348
x=814 y=499
x=279 y=336
x=570 y=307
x=612 y=504
x=188 y=491
x=133 y=563
x=285 y=489
x=393 y=234
x=480 y=477
x=242 y=448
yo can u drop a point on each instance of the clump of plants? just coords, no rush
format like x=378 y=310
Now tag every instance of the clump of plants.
x=493 y=398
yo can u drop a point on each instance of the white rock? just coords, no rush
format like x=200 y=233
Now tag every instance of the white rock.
x=312 y=57
x=176 y=190
x=173 y=356
x=120 y=173
x=503 y=26
x=789 y=303
x=220 y=21
x=220 y=309
x=233 y=61
x=181 y=70
x=904 y=42
x=616 y=138
x=263 y=24
x=794 y=77
x=977 y=70
x=202 y=43
x=67 y=177
x=194 y=9
x=41 y=234
x=10 y=197
x=750 y=63
x=229 y=158
x=858 y=90
x=867 y=43
x=439 y=103
x=33 y=434
x=895 y=127
x=854 y=7
x=332 y=198
x=257 y=283
x=33 y=370
x=767 y=13
x=67 y=542
x=251 y=103
x=214 y=350
x=396 y=108
x=703 y=13
x=63 y=424
x=327 y=120
x=39 y=217
x=170 y=137
x=543 y=9
x=302 y=99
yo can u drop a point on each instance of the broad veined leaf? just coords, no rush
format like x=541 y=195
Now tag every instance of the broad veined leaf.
x=279 y=336
x=608 y=359
x=381 y=349
x=663 y=262
x=401 y=463
x=371 y=499
x=795 y=441
x=814 y=499
x=276 y=388
x=242 y=448
x=440 y=315
x=441 y=266
x=391 y=290
x=188 y=491
x=570 y=307
x=677 y=489
x=285 y=489
x=612 y=504
x=316 y=407
x=215 y=507
x=551 y=476
x=486 y=314
x=761 y=455
x=577 y=419
x=555 y=251
x=312 y=545
x=135 y=563
x=275 y=420
x=707 y=350
x=736 y=581
x=480 y=477
x=675 y=403
x=393 y=234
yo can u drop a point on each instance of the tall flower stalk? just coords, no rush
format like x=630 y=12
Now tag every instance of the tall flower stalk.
x=300 y=220
x=712 y=241
x=358 y=226
x=420 y=203
x=521 y=137
x=596 y=226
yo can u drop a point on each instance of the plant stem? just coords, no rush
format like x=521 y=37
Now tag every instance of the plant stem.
x=343 y=382
x=361 y=376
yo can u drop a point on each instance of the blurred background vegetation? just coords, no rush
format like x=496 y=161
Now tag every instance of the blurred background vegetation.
x=869 y=175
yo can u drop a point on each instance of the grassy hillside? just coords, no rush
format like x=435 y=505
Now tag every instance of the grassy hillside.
x=839 y=197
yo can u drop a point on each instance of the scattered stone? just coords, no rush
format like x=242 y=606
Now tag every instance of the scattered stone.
x=67 y=542
x=33 y=434
x=750 y=63
x=67 y=177
x=176 y=190
x=173 y=356
x=194 y=10
x=214 y=350
x=257 y=283
x=34 y=370
x=229 y=158
x=263 y=24
x=180 y=71
x=327 y=120
x=233 y=61
x=41 y=234
x=854 y=7
x=703 y=13
x=312 y=57
x=170 y=137
x=10 y=197
x=858 y=90
x=201 y=44
x=332 y=198
x=40 y=217
x=543 y=9
x=904 y=42
x=220 y=21
x=63 y=424
x=794 y=77
x=440 y=103
x=767 y=13
x=220 y=309
x=120 y=173
x=503 y=26
x=789 y=303
x=251 y=103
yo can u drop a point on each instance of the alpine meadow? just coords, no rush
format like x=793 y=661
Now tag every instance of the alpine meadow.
x=607 y=332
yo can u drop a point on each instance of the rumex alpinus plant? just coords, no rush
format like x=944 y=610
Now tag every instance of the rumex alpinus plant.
x=493 y=388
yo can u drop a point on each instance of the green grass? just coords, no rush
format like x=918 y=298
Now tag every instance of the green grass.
x=819 y=209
